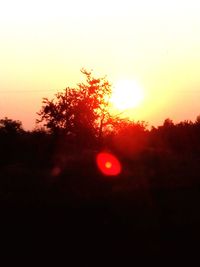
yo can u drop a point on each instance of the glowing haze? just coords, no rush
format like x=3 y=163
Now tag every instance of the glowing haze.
x=155 y=43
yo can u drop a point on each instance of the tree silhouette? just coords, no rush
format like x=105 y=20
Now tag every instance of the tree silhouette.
x=130 y=137
x=10 y=127
x=197 y=121
x=80 y=113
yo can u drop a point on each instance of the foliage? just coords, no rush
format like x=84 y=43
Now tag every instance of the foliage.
x=10 y=127
x=130 y=137
x=82 y=112
x=198 y=120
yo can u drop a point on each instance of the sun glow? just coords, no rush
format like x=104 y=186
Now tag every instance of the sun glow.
x=126 y=94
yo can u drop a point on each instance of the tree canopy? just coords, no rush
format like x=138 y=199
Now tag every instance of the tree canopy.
x=9 y=126
x=82 y=112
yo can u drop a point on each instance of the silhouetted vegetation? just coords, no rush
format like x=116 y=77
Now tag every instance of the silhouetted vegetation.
x=156 y=193
x=80 y=114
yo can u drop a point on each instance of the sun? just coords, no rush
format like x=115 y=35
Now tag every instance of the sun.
x=126 y=94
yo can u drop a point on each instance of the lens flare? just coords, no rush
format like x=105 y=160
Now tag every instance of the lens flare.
x=108 y=164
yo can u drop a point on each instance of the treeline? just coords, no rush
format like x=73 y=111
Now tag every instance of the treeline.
x=18 y=145
x=54 y=166
x=74 y=127
x=52 y=183
x=128 y=140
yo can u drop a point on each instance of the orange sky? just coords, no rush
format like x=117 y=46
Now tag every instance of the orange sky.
x=44 y=44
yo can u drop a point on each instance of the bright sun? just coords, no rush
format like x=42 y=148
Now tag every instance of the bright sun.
x=126 y=94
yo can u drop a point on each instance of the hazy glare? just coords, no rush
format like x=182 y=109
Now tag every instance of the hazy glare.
x=156 y=43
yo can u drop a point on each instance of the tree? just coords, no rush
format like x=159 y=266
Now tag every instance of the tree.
x=130 y=137
x=168 y=123
x=11 y=132
x=197 y=120
x=80 y=113
x=10 y=127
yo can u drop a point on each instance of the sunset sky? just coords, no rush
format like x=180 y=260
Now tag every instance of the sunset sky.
x=155 y=43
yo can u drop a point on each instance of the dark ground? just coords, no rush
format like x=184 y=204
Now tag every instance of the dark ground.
x=82 y=213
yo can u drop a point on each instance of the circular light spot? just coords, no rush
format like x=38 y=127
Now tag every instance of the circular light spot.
x=108 y=164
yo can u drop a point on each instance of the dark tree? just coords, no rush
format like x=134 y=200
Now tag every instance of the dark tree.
x=130 y=137
x=197 y=120
x=10 y=127
x=81 y=113
x=11 y=132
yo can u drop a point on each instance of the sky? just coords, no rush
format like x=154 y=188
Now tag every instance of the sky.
x=156 y=43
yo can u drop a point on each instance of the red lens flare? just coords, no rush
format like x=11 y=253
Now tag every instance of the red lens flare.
x=108 y=164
